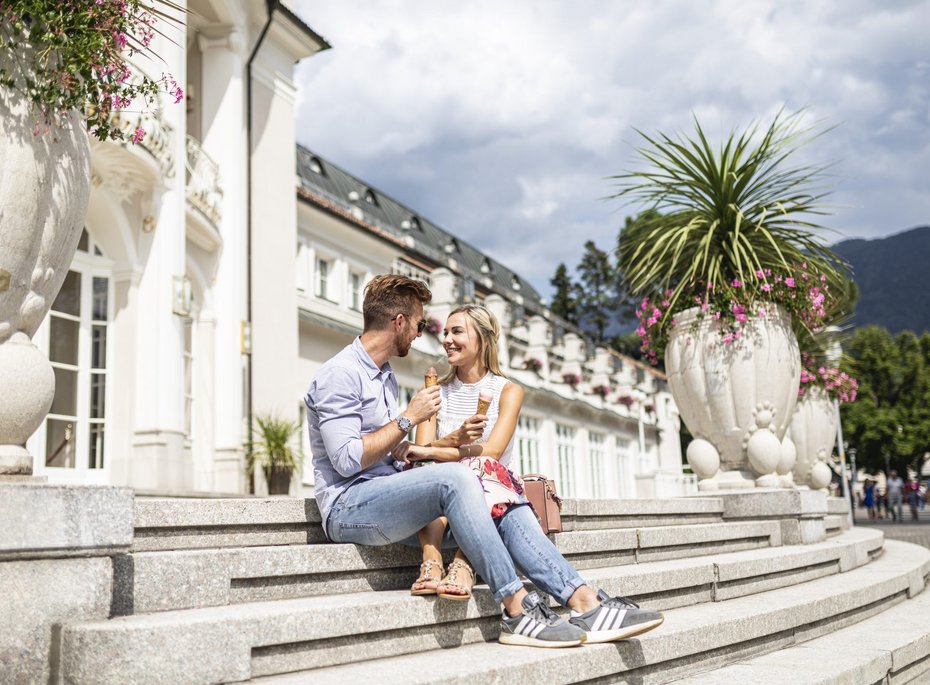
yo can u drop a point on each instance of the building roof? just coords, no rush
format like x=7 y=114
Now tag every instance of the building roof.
x=340 y=191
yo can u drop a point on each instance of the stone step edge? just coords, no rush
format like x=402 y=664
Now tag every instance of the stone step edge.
x=170 y=540
x=191 y=512
x=223 y=639
x=666 y=654
x=893 y=646
x=163 y=581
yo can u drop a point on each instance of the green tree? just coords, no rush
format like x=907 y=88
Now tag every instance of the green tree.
x=563 y=302
x=889 y=423
x=596 y=292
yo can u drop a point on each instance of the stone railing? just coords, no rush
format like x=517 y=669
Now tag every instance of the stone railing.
x=157 y=140
x=204 y=188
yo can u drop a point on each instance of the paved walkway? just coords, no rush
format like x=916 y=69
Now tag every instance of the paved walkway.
x=917 y=531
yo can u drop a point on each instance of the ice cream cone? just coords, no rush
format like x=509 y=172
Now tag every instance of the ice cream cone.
x=484 y=401
x=432 y=378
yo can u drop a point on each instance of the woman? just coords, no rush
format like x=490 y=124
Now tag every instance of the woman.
x=483 y=441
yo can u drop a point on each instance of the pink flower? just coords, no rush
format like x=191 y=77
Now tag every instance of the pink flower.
x=736 y=283
x=766 y=287
x=138 y=135
x=789 y=282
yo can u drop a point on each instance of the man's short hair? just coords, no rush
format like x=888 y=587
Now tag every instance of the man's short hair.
x=389 y=295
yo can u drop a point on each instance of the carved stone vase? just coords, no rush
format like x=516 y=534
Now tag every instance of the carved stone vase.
x=737 y=399
x=813 y=429
x=44 y=189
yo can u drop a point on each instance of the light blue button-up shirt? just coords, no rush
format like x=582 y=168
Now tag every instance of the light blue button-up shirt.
x=349 y=397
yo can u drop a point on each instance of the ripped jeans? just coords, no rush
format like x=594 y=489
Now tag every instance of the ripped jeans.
x=393 y=508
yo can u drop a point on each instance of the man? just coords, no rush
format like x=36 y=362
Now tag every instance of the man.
x=895 y=491
x=364 y=498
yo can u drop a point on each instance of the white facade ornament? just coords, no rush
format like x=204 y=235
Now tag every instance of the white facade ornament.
x=44 y=199
x=737 y=398
x=813 y=429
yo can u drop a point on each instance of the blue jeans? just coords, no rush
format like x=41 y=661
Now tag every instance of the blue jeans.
x=392 y=509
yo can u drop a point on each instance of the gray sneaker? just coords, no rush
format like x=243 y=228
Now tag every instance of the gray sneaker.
x=538 y=626
x=617 y=618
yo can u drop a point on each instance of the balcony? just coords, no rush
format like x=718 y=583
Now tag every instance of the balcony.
x=204 y=189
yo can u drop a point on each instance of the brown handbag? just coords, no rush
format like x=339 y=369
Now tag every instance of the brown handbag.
x=541 y=493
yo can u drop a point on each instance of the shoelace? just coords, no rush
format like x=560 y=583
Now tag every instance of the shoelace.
x=544 y=614
x=619 y=603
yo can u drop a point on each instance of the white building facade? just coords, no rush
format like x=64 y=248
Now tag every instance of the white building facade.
x=206 y=291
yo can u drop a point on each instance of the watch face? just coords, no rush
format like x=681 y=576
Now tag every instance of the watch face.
x=403 y=423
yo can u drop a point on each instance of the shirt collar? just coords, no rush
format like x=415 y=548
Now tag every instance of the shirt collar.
x=367 y=362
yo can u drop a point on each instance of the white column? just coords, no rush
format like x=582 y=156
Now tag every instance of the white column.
x=223 y=128
x=159 y=460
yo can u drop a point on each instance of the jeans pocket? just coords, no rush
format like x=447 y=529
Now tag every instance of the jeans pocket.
x=360 y=533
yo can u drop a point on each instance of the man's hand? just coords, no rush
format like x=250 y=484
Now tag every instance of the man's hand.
x=423 y=405
x=408 y=452
x=472 y=429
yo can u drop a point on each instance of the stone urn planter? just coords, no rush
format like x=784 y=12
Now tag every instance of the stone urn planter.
x=813 y=430
x=43 y=201
x=737 y=399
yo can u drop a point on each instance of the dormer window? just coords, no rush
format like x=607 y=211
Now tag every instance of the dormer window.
x=316 y=166
x=415 y=224
x=353 y=196
x=515 y=283
x=371 y=198
x=452 y=246
x=486 y=266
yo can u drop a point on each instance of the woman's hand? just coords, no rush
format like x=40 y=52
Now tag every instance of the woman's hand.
x=471 y=429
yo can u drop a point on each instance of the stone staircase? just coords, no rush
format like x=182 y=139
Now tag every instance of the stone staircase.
x=229 y=590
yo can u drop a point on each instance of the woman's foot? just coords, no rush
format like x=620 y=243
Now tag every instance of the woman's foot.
x=430 y=577
x=458 y=582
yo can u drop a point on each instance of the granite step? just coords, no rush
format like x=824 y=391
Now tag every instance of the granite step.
x=176 y=579
x=699 y=637
x=892 y=647
x=229 y=643
x=164 y=523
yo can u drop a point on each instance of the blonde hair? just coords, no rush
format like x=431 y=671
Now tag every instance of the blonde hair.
x=489 y=332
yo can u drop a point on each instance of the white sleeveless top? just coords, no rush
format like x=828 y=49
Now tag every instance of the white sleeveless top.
x=460 y=400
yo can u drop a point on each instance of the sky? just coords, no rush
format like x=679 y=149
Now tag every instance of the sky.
x=503 y=121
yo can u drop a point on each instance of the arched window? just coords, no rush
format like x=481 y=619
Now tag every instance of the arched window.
x=75 y=335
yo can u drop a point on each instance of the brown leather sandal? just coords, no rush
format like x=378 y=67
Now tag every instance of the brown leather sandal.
x=460 y=577
x=430 y=574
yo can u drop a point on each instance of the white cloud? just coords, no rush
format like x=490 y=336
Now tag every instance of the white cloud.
x=500 y=121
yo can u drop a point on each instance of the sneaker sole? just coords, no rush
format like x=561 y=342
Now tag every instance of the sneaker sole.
x=597 y=637
x=526 y=641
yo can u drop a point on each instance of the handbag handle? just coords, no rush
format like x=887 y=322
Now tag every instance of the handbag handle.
x=549 y=490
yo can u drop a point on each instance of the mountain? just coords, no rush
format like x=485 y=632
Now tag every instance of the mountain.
x=893 y=275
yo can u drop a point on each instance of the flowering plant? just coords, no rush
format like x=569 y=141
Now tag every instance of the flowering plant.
x=601 y=390
x=837 y=384
x=63 y=56
x=533 y=364
x=650 y=408
x=572 y=379
x=434 y=326
x=728 y=230
x=802 y=292
x=626 y=401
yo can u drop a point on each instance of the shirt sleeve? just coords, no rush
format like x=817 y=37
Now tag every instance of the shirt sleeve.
x=338 y=402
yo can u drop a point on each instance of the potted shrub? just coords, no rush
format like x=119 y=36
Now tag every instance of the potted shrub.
x=732 y=270
x=813 y=426
x=63 y=71
x=533 y=364
x=271 y=450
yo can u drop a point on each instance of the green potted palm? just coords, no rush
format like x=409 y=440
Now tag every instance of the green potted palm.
x=731 y=270
x=271 y=449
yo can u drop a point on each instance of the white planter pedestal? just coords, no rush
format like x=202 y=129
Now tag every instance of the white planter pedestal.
x=43 y=202
x=813 y=429
x=737 y=400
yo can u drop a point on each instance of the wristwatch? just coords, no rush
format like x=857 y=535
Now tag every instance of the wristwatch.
x=404 y=424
